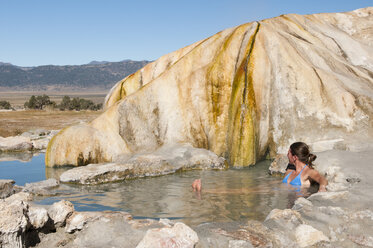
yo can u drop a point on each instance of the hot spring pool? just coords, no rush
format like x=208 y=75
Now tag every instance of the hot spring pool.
x=231 y=195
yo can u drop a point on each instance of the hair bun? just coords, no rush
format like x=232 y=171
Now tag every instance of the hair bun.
x=312 y=157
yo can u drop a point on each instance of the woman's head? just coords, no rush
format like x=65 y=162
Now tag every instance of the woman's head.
x=300 y=151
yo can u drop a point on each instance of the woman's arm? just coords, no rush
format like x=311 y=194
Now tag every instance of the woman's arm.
x=315 y=176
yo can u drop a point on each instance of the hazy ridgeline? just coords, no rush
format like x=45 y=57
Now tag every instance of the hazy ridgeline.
x=95 y=76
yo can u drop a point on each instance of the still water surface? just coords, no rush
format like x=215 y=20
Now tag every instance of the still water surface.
x=231 y=195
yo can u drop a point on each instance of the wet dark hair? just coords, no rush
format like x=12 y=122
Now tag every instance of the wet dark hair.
x=302 y=151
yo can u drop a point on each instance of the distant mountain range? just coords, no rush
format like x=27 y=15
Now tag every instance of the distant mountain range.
x=97 y=75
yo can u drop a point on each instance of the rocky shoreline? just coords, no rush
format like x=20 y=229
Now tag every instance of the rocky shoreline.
x=166 y=160
x=341 y=217
x=30 y=141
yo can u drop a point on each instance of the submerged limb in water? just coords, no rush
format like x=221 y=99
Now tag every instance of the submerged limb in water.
x=197 y=187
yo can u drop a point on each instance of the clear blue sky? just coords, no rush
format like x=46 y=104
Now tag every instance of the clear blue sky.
x=67 y=32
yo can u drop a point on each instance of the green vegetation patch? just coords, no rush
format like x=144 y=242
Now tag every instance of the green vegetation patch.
x=5 y=105
x=76 y=103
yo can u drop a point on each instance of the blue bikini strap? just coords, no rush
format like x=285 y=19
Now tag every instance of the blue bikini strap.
x=303 y=169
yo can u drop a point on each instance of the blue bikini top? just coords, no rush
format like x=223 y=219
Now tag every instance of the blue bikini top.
x=296 y=180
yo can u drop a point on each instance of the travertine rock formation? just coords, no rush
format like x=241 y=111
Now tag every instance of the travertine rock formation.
x=241 y=93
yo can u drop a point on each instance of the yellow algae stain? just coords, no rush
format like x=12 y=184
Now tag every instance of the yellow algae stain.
x=114 y=95
x=48 y=152
x=125 y=87
x=241 y=136
x=287 y=18
x=218 y=87
x=217 y=78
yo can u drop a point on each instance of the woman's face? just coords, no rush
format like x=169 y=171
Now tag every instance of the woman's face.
x=291 y=157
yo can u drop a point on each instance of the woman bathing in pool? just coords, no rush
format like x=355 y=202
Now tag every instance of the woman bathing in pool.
x=302 y=173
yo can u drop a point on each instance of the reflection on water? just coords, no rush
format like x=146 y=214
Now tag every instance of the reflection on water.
x=232 y=195
x=28 y=169
x=20 y=156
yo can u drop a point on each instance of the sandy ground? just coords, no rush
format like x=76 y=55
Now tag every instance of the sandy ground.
x=16 y=122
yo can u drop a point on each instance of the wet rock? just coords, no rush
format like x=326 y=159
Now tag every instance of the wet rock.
x=302 y=204
x=78 y=220
x=239 y=244
x=340 y=195
x=60 y=211
x=41 y=144
x=42 y=187
x=59 y=238
x=279 y=164
x=13 y=223
x=360 y=146
x=257 y=234
x=335 y=174
x=15 y=144
x=337 y=179
x=145 y=223
x=282 y=224
x=180 y=235
x=97 y=173
x=211 y=238
x=287 y=218
x=222 y=235
x=365 y=214
x=330 y=210
x=6 y=188
x=110 y=230
x=38 y=216
x=307 y=235
x=21 y=196
x=164 y=161
x=166 y=222
x=99 y=229
x=336 y=187
x=326 y=145
x=362 y=240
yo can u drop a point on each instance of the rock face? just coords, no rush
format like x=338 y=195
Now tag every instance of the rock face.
x=179 y=236
x=60 y=211
x=13 y=223
x=243 y=92
x=38 y=217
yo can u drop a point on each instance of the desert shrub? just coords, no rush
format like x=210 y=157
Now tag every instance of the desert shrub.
x=78 y=104
x=5 y=105
x=38 y=102
x=65 y=103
